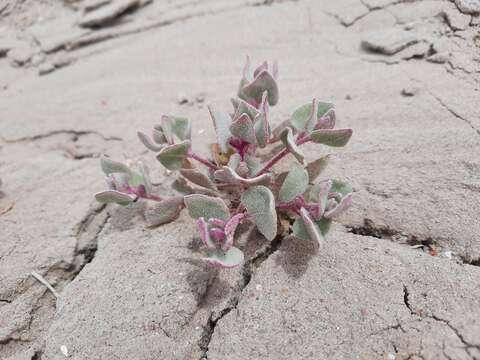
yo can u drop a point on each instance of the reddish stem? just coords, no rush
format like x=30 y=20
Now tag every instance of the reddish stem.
x=202 y=160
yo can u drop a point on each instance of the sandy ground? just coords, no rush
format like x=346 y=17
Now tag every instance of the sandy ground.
x=399 y=276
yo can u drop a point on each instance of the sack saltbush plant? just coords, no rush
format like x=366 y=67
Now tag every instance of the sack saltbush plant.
x=235 y=185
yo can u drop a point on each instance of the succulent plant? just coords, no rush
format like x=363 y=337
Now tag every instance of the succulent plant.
x=235 y=186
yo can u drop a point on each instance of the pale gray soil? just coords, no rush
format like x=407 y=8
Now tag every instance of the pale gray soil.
x=405 y=75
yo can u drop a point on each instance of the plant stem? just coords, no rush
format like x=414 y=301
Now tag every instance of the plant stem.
x=302 y=139
x=153 y=197
x=202 y=160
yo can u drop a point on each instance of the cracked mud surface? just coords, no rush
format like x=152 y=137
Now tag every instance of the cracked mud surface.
x=397 y=279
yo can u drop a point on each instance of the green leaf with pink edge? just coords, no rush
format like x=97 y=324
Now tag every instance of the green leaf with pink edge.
x=242 y=127
x=149 y=144
x=341 y=187
x=202 y=226
x=225 y=259
x=295 y=183
x=245 y=108
x=110 y=166
x=207 y=207
x=301 y=117
x=172 y=156
x=159 y=137
x=198 y=178
x=279 y=129
x=311 y=227
x=113 y=196
x=299 y=230
x=289 y=142
x=163 y=212
x=332 y=137
x=260 y=204
x=221 y=122
x=254 y=166
x=229 y=176
x=176 y=128
x=344 y=204
x=262 y=125
x=253 y=91
x=316 y=167
x=230 y=228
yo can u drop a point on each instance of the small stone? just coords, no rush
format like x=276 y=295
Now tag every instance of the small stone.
x=45 y=68
x=62 y=59
x=410 y=91
x=64 y=350
x=440 y=58
x=348 y=97
x=200 y=98
x=391 y=356
x=468 y=6
x=388 y=42
x=37 y=59
x=182 y=99
x=20 y=55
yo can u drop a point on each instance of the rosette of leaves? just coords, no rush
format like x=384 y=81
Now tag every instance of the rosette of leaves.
x=235 y=184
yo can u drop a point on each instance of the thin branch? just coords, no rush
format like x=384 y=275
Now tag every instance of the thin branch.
x=202 y=160
x=46 y=283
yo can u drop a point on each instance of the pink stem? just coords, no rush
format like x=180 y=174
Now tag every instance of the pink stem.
x=202 y=160
x=153 y=197
x=302 y=139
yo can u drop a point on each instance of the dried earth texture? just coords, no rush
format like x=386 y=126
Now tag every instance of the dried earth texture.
x=399 y=276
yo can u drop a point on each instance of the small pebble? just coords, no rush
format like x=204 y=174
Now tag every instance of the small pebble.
x=182 y=99
x=45 y=68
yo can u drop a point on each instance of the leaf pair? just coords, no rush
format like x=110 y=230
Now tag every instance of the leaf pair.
x=254 y=84
x=171 y=130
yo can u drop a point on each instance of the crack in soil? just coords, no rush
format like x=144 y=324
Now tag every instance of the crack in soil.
x=57 y=132
x=249 y=269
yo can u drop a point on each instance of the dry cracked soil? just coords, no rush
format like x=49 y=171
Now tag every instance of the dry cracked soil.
x=398 y=277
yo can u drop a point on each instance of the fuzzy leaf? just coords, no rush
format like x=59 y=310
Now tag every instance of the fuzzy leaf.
x=253 y=91
x=316 y=167
x=319 y=195
x=262 y=126
x=311 y=228
x=172 y=156
x=245 y=108
x=260 y=203
x=341 y=207
x=176 y=128
x=145 y=177
x=254 y=166
x=229 y=176
x=149 y=144
x=327 y=121
x=221 y=122
x=302 y=116
x=164 y=211
x=299 y=230
x=229 y=230
x=234 y=161
x=295 y=183
x=278 y=130
x=289 y=142
x=242 y=128
x=341 y=187
x=332 y=137
x=229 y=259
x=182 y=186
x=113 y=196
x=158 y=136
x=205 y=233
x=206 y=206
x=198 y=178
x=110 y=166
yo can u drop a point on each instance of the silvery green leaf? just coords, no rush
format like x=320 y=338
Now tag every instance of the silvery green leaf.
x=113 y=196
x=110 y=166
x=278 y=130
x=182 y=186
x=311 y=228
x=253 y=91
x=149 y=144
x=225 y=259
x=245 y=108
x=318 y=194
x=158 y=136
x=332 y=137
x=299 y=230
x=229 y=176
x=295 y=183
x=302 y=116
x=164 y=211
x=341 y=187
x=262 y=125
x=205 y=234
x=341 y=207
x=198 y=178
x=327 y=121
x=172 y=156
x=254 y=166
x=242 y=127
x=316 y=167
x=234 y=161
x=260 y=204
x=289 y=142
x=176 y=128
x=207 y=207
x=145 y=175
x=221 y=122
